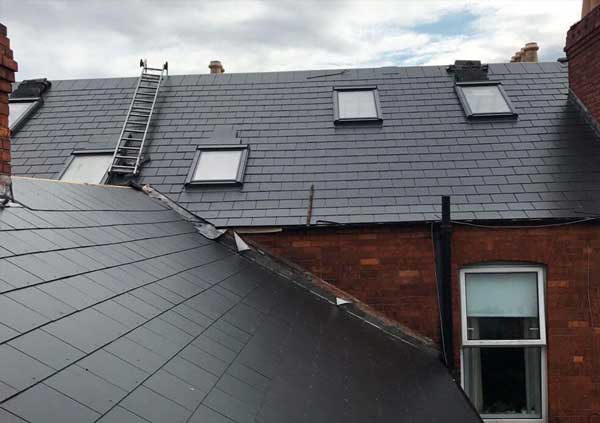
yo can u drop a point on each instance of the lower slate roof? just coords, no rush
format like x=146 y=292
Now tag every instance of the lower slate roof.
x=115 y=309
x=545 y=164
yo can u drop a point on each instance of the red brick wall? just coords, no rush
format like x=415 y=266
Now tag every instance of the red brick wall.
x=8 y=67
x=392 y=269
x=389 y=268
x=583 y=51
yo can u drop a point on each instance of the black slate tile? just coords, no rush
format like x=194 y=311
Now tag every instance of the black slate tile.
x=154 y=407
x=86 y=388
x=44 y=404
x=113 y=369
x=46 y=348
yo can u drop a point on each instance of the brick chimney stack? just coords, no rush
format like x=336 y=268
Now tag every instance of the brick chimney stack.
x=8 y=67
x=216 y=67
x=528 y=54
x=587 y=6
x=583 y=54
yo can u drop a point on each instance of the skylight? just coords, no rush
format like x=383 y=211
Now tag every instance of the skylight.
x=356 y=104
x=18 y=111
x=484 y=99
x=218 y=165
x=87 y=168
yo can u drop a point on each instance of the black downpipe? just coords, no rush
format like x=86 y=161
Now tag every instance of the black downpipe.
x=443 y=263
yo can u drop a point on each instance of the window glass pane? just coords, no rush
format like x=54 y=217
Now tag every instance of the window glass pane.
x=357 y=104
x=485 y=99
x=16 y=110
x=502 y=305
x=504 y=382
x=218 y=165
x=87 y=168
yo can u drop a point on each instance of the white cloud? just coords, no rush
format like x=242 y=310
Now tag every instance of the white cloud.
x=68 y=39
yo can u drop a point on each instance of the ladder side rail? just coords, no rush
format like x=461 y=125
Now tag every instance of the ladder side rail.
x=137 y=162
x=126 y=120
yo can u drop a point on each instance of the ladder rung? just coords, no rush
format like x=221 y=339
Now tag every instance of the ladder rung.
x=147 y=109
x=122 y=167
x=134 y=130
x=154 y=69
x=146 y=94
x=149 y=77
x=143 y=101
x=126 y=157
x=139 y=114
x=152 y=75
x=129 y=148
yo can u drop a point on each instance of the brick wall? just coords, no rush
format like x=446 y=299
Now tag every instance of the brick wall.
x=389 y=268
x=8 y=67
x=392 y=269
x=583 y=51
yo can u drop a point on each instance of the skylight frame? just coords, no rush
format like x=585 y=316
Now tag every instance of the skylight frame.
x=36 y=102
x=467 y=108
x=80 y=153
x=239 y=179
x=336 y=107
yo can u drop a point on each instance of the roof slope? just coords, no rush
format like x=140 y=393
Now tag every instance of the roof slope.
x=114 y=309
x=545 y=164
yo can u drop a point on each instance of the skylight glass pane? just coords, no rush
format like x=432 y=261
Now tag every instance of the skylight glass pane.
x=87 y=168
x=218 y=165
x=357 y=104
x=16 y=110
x=485 y=99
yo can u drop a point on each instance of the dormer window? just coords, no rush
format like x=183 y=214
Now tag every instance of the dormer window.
x=221 y=164
x=484 y=99
x=352 y=104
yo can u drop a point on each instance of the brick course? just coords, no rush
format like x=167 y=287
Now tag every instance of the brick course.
x=392 y=269
x=583 y=52
x=8 y=67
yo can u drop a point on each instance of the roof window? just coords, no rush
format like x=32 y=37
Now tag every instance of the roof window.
x=19 y=110
x=356 y=104
x=218 y=164
x=87 y=167
x=484 y=99
x=24 y=100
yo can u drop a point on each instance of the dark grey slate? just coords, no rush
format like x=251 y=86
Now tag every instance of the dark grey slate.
x=179 y=328
x=424 y=148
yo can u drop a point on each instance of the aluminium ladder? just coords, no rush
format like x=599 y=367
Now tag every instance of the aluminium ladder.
x=130 y=146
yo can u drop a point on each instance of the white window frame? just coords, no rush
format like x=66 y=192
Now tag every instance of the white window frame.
x=469 y=343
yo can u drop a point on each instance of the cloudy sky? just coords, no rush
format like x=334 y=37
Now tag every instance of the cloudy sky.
x=84 y=38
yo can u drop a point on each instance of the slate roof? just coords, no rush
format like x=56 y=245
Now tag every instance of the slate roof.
x=545 y=164
x=114 y=309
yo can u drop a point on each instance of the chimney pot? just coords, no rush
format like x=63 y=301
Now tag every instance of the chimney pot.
x=530 y=52
x=216 y=67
